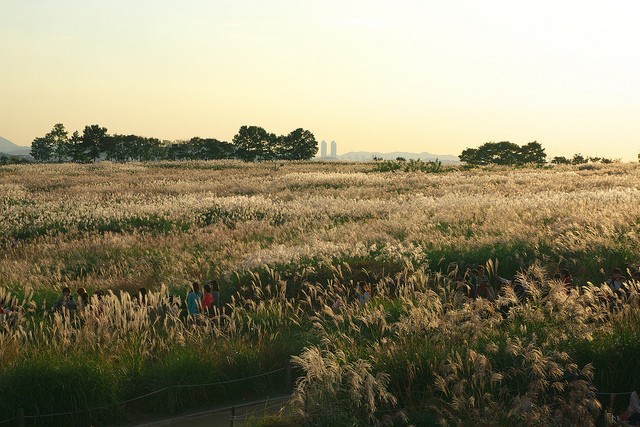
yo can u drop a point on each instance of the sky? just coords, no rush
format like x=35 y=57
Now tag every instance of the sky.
x=428 y=75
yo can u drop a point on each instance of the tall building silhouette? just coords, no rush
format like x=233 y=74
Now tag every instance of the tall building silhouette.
x=323 y=148
x=334 y=149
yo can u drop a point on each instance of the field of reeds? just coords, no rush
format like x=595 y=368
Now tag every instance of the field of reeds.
x=285 y=240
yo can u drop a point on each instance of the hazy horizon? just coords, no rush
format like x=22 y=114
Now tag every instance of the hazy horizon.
x=432 y=76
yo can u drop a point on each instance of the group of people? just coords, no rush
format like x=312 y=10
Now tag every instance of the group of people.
x=5 y=312
x=479 y=285
x=66 y=299
x=197 y=302
x=207 y=303
x=361 y=293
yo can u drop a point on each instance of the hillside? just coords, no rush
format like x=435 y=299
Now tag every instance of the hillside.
x=9 y=147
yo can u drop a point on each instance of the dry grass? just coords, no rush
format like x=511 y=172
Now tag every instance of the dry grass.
x=285 y=243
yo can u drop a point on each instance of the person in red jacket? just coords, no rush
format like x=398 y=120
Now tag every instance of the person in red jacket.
x=207 y=300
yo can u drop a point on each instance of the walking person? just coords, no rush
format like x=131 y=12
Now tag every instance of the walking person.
x=83 y=297
x=207 y=300
x=194 y=300
x=65 y=301
x=215 y=291
x=616 y=281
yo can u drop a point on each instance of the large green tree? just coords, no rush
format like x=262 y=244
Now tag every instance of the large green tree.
x=122 y=148
x=42 y=149
x=178 y=150
x=578 y=159
x=94 y=140
x=300 y=144
x=504 y=153
x=533 y=153
x=60 y=141
x=148 y=149
x=254 y=143
x=76 y=151
x=115 y=148
x=55 y=144
x=472 y=156
x=560 y=160
x=211 y=149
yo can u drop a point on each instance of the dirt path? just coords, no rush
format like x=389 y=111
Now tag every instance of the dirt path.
x=221 y=417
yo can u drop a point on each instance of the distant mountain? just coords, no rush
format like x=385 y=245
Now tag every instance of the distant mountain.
x=365 y=156
x=8 y=147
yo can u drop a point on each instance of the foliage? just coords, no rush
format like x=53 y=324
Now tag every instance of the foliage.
x=251 y=143
x=42 y=149
x=254 y=143
x=335 y=391
x=210 y=149
x=54 y=145
x=92 y=143
x=578 y=159
x=560 y=160
x=60 y=140
x=12 y=159
x=122 y=148
x=410 y=166
x=387 y=166
x=299 y=144
x=426 y=167
x=504 y=153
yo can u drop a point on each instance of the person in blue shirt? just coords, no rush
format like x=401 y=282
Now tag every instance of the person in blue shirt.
x=194 y=300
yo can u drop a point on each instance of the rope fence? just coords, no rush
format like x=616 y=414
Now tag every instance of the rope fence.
x=21 y=417
x=619 y=393
x=230 y=381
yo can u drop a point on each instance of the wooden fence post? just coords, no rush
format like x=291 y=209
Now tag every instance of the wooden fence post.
x=287 y=374
x=20 y=417
x=171 y=400
x=232 y=418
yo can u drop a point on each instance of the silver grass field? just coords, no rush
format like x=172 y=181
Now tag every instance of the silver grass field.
x=285 y=241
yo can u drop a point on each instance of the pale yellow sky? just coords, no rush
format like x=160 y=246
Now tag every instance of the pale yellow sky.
x=436 y=76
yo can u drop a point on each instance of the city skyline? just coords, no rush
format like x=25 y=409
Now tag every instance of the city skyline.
x=322 y=151
x=415 y=76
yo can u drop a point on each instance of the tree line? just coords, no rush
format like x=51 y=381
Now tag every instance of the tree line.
x=251 y=143
x=504 y=153
x=510 y=154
